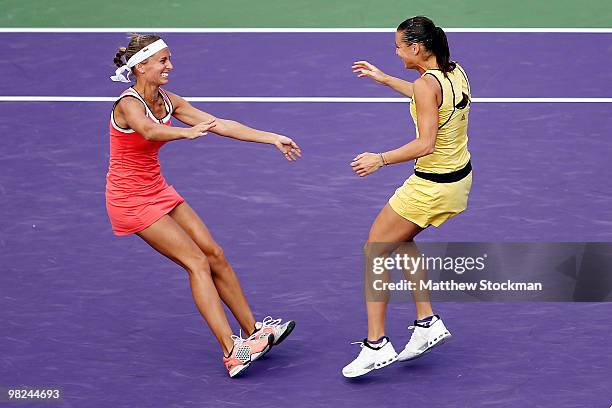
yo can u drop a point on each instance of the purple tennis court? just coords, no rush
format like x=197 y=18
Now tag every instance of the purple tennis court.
x=112 y=323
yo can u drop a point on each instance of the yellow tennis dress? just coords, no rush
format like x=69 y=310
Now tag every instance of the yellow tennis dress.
x=441 y=184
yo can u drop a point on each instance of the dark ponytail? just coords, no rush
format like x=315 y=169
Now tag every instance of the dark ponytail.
x=422 y=30
x=442 y=52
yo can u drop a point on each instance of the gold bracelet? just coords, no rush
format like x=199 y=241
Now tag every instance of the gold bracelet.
x=382 y=157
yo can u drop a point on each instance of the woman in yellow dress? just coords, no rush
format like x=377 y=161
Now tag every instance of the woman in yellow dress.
x=439 y=187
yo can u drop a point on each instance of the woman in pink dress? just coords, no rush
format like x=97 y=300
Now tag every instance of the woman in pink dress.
x=140 y=201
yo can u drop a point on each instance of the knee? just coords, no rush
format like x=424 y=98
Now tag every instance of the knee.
x=198 y=266
x=216 y=255
x=374 y=249
x=377 y=249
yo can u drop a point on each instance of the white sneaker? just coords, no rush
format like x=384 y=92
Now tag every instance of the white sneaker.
x=370 y=358
x=274 y=327
x=425 y=337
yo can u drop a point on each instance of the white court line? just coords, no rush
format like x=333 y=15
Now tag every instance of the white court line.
x=323 y=99
x=296 y=30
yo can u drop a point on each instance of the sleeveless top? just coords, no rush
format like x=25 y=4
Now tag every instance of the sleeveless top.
x=450 y=151
x=134 y=168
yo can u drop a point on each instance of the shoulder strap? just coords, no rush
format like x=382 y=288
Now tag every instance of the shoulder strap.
x=460 y=68
x=167 y=101
x=148 y=112
x=440 y=77
x=128 y=93
x=132 y=92
x=433 y=74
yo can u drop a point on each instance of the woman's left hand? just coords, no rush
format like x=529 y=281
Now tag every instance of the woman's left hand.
x=288 y=147
x=366 y=163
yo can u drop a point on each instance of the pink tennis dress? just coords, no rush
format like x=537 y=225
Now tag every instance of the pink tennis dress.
x=137 y=194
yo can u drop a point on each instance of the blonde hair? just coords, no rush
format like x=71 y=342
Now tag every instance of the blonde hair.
x=137 y=42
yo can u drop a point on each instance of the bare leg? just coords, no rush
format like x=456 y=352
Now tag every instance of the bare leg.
x=169 y=239
x=225 y=279
x=420 y=296
x=389 y=227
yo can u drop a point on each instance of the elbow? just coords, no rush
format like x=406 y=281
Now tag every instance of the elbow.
x=427 y=149
x=428 y=145
x=149 y=133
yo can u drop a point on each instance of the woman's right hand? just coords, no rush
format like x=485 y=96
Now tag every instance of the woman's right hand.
x=365 y=69
x=200 y=129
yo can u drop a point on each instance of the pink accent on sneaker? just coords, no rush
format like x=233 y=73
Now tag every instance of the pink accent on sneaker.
x=246 y=351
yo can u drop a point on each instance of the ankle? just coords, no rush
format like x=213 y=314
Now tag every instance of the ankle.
x=251 y=329
x=375 y=339
x=377 y=344
x=227 y=346
x=425 y=316
x=226 y=354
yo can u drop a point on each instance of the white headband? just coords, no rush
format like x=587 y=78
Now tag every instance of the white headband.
x=137 y=58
